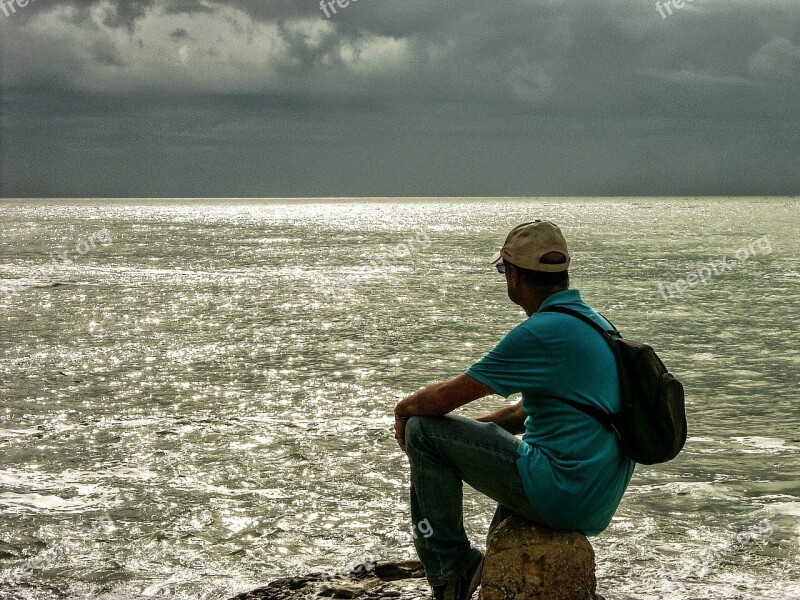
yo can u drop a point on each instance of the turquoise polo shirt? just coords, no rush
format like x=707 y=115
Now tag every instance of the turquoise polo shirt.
x=572 y=468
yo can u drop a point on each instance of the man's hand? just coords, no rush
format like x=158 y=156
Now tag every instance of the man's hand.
x=510 y=417
x=400 y=432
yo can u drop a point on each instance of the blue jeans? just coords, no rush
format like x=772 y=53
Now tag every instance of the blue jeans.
x=443 y=453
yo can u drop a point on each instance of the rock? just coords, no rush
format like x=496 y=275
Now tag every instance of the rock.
x=402 y=580
x=9 y=551
x=342 y=591
x=392 y=571
x=525 y=561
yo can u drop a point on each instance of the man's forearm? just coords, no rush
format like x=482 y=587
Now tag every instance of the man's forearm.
x=511 y=418
x=427 y=401
x=441 y=398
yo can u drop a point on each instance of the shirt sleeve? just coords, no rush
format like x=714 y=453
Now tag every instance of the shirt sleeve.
x=513 y=365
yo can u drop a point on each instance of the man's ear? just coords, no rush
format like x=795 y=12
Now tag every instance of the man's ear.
x=513 y=274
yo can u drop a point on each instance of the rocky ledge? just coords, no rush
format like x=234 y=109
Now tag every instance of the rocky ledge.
x=371 y=581
x=397 y=580
x=524 y=561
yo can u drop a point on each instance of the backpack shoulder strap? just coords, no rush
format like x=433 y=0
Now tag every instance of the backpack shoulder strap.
x=599 y=415
x=568 y=311
x=605 y=419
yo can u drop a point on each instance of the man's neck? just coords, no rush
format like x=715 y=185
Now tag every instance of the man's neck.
x=535 y=298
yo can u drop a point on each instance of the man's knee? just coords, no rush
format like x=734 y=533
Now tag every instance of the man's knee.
x=417 y=429
x=414 y=427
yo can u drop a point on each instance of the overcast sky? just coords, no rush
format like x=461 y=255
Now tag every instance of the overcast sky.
x=273 y=98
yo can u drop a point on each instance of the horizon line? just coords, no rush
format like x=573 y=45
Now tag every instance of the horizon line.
x=337 y=198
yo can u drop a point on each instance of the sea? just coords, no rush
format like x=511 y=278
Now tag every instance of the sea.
x=196 y=395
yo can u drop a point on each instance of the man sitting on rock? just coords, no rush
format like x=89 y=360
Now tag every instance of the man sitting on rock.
x=567 y=471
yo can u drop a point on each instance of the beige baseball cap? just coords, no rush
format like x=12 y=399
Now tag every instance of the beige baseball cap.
x=527 y=243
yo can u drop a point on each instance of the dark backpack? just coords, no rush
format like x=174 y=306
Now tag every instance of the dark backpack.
x=652 y=423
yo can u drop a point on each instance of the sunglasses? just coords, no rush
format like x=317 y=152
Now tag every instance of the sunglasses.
x=500 y=266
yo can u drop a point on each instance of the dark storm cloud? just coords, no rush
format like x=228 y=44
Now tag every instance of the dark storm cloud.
x=179 y=7
x=125 y=13
x=121 y=13
x=179 y=34
x=415 y=97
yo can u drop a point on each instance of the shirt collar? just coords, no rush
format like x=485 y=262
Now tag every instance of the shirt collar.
x=562 y=297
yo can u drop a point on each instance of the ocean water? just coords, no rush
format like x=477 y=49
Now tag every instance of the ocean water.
x=196 y=396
